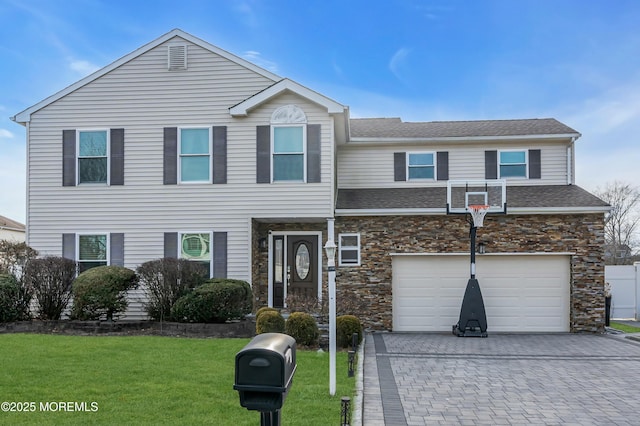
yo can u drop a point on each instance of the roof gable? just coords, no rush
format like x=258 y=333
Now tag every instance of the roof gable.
x=25 y=116
x=242 y=109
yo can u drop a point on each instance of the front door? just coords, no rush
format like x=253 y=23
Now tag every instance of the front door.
x=296 y=269
x=302 y=266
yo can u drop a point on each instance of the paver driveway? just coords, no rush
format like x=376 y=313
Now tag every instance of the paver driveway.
x=420 y=379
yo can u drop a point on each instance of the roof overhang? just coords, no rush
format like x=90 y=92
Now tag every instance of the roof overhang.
x=464 y=139
x=441 y=212
x=243 y=108
x=25 y=116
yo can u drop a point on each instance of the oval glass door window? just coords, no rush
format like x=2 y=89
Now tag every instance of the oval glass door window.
x=303 y=261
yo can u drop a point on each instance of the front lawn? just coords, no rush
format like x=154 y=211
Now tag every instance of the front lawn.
x=149 y=380
x=624 y=327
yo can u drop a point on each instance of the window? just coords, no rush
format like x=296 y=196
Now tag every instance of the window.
x=195 y=155
x=288 y=153
x=349 y=249
x=92 y=251
x=196 y=247
x=420 y=165
x=93 y=156
x=513 y=164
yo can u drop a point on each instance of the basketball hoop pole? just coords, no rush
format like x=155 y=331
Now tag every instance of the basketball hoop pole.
x=473 y=318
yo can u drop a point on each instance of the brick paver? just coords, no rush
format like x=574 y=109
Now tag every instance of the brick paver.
x=502 y=379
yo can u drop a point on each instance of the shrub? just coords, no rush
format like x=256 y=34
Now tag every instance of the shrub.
x=346 y=325
x=14 y=256
x=102 y=292
x=14 y=299
x=216 y=301
x=269 y=322
x=165 y=281
x=302 y=327
x=49 y=279
x=265 y=309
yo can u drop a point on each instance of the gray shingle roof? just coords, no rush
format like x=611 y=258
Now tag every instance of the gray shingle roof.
x=7 y=223
x=396 y=128
x=543 y=196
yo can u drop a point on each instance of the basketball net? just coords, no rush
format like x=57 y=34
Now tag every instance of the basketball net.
x=477 y=212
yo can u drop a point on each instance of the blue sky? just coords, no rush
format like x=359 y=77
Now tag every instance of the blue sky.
x=421 y=60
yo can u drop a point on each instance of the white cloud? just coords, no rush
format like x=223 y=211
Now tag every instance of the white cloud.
x=83 y=68
x=398 y=61
x=257 y=59
x=5 y=134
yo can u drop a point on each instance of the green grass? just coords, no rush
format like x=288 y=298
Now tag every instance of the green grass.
x=624 y=327
x=152 y=380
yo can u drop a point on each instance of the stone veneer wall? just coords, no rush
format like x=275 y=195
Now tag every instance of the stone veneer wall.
x=370 y=283
x=260 y=272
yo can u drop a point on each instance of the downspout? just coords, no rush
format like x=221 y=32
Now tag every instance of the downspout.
x=570 y=162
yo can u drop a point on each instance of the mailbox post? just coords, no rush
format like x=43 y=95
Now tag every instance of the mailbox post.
x=264 y=373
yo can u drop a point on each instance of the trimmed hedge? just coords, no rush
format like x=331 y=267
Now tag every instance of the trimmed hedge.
x=269 y=321
x=216 y=301
x=101 y=292
x=14 y=299
x=302 y=327
x=265 y=309
x=346 y=325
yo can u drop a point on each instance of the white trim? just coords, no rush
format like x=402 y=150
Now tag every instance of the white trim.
x=243 y=108
x=434 y=165
x=463 y=139
x=304 y=153
x=108 y=247
x=25 y=116
x=286 y=234
x=179 y=155
x=357 y=247
x=211 y=248
x=443 y=211
x=526 y=164
x=108 y=147
x=511 y=253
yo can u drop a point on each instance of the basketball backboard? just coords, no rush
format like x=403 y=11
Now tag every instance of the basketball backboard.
x=463 y=193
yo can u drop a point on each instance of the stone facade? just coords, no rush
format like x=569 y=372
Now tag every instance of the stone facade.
x=370 y=284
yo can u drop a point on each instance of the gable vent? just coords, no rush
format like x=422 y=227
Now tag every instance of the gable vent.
x=177 y=57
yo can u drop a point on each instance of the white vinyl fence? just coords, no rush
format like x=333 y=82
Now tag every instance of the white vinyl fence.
x=625 y=290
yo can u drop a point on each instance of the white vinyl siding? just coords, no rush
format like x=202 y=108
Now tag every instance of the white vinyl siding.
x=371 y=166
x=143 y=97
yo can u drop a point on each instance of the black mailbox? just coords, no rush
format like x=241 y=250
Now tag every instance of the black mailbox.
x=264 y=371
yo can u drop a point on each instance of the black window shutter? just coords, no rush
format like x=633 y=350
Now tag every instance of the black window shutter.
x=69 y=246
x=263 y=154
x=219 y=255
x=399 y=166
x=443 y=165
x=171 y=244
x=313 y=153
x=116 y=249
x=117 y=157
x=535 y=164
x=68 y=158
x=491 y=164
x=219 y=162
x=170 y=155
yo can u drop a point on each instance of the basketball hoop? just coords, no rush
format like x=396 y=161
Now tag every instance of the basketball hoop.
x=477 y=212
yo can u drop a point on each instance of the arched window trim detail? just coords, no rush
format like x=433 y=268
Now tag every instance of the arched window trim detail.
x=288 y=114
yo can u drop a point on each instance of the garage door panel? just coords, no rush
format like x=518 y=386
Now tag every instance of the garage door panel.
x=521 y=293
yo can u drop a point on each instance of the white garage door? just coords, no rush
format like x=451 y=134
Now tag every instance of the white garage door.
x=521 y=292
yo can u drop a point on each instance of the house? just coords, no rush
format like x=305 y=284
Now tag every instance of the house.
x=181 y=149
x=10 y=230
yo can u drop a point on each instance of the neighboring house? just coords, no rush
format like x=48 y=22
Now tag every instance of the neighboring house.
x=182 y=149
x=618 y=254
x=10 y=230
